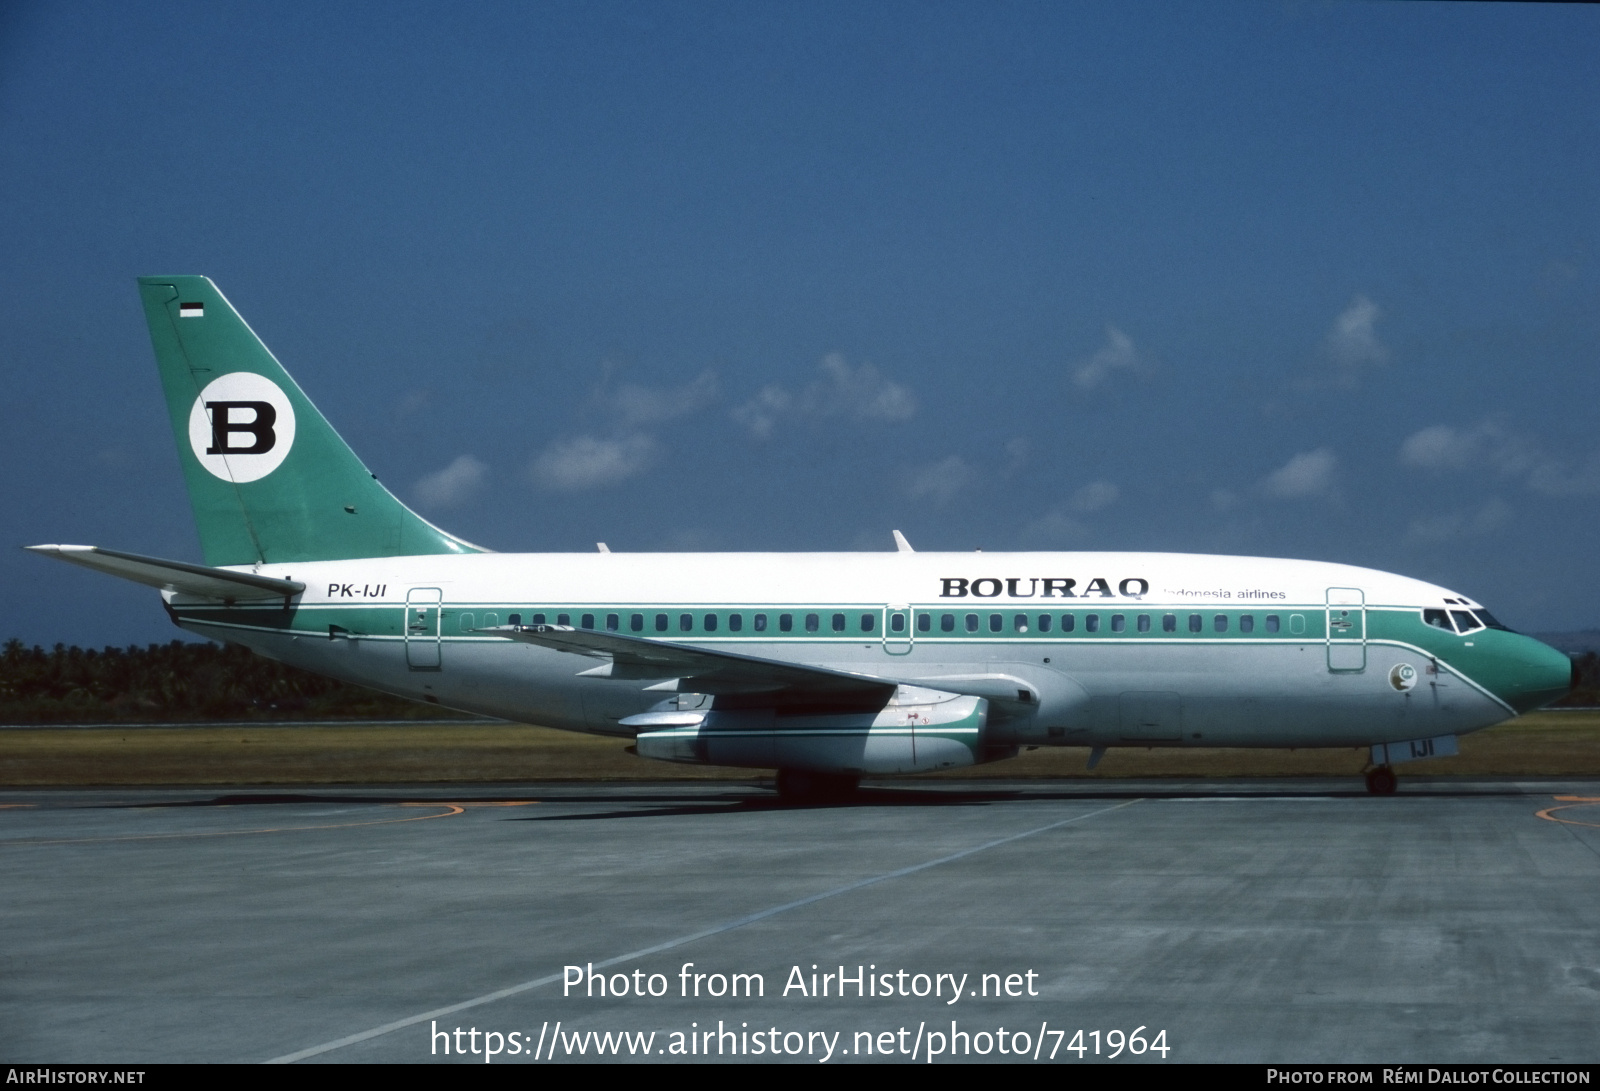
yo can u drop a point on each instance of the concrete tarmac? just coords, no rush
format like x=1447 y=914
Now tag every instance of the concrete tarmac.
x=1234 y=920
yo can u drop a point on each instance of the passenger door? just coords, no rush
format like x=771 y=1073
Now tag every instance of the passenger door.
x=1347 y=629
x=897 y=629
x=422 y=628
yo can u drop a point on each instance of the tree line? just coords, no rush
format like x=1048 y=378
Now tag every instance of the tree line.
x=179 y=682
x=187 y=682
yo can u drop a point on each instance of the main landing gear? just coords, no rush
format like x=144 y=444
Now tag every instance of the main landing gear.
x=1381 y=781
x=802 y=786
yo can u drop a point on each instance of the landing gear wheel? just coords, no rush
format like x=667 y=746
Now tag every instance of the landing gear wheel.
x=1382 y=781
x=803 y=786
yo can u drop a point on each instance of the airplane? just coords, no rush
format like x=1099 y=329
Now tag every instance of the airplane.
x=823 y=666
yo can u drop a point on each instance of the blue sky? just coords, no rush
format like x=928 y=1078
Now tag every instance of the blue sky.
x=1310 y=280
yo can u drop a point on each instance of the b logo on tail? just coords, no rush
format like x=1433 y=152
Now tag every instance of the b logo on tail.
x=241 y=427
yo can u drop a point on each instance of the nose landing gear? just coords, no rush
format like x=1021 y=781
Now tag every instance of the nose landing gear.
x=1381 y=781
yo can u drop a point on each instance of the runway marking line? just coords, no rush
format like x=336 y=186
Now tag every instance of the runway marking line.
x=704 y=933
x=1569 y=802
x=451 y=811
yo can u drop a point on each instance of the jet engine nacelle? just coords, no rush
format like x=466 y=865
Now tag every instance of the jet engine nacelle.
x=919 y=730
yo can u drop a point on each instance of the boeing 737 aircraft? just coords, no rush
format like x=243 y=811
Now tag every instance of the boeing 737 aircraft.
x=823 y=666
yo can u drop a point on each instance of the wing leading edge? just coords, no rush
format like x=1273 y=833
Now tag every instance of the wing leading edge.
x=700 y=670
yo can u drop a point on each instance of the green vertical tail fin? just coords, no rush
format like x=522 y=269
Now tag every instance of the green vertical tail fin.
x=269 y=479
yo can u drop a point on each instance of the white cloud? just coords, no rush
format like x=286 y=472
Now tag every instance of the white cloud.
x=942 y=481
x=760 y=414
x=1307 y=474
x=1056 y=528
x=1094 y=496
x=1441 y=447
x=635 y=404
x=1352 y=345
x=1118 y=354
x=1553 y=478
x=862 y=393
x=453 y=485
x=587 y=462
x=1491 y=516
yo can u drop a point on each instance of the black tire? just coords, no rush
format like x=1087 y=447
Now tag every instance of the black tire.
x=802 y=786
x=1382 y=781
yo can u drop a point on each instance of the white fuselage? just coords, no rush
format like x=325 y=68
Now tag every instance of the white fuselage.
x=1087 y=649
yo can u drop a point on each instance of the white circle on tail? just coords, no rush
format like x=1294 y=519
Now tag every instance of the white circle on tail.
x=241 y=427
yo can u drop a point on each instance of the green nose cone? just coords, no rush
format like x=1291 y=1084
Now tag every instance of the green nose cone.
x=1532 y=674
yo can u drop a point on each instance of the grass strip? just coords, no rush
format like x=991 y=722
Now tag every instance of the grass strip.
x=1555 y=744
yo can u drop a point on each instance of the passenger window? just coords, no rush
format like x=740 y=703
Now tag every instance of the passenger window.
x=661 y=623
x=587 y=621
x=1118 y=623
x=996 y=623
x=563 y=619
x=786 y=622
x=468 y=623
x=686 y=623
x=1196 y=623
x=1220 y=623
x=897 y=622
x=1247 y=623
x=636 y=623
x=838 y=623
x=1169 y=623
x=924 y=623
x=491 y=620
x=868 y=623
x=735 y=622
x=613 y=622
x=813 y=622
x=761 y=623
x=947 y=623
x=1020 y=623
x=1069 y=622
x=1144 y=623
x=1272 y=623
x=1297 y=623
x=514 y=619
x=972 y=623
x=1091 y=623
x=1044 y=623
x=711 y=623
x=538 y=619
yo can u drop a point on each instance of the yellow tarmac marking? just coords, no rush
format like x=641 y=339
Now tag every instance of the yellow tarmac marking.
x=1569 y=802
x=451 y=811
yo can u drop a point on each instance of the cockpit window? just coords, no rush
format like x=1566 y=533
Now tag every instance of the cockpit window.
x=1465 y=622
x=1488 y=619
x=1437 y=618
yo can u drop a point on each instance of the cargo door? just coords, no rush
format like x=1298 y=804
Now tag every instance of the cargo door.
x=1151 y=717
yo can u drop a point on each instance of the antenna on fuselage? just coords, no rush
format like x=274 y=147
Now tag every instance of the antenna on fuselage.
x=603 y=547
x=900 y=543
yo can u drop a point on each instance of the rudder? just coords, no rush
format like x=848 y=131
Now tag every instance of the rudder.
x=269 y=479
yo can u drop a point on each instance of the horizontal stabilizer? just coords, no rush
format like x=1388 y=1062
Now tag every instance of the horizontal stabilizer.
x=188 y=579
x=701 y=670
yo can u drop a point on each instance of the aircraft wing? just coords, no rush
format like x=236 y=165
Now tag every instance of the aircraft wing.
x=700 y=670
x=189 y=579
